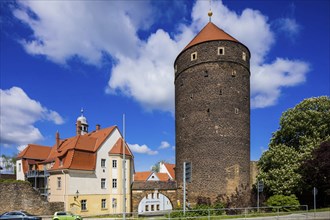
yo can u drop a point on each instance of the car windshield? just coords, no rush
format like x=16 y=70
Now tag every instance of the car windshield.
x=26 y=213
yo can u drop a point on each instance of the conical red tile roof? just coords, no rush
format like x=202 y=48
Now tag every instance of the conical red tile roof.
x=209 y=33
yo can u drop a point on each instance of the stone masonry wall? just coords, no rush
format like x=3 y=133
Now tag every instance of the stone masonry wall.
x=22 y=196
x=212 y=116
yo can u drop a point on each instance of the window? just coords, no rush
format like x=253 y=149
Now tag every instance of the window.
x=83 y=205
x=147 y=208
x=19 y=167
x=152 y=195
x=236 y=110
x=103 y=203
x=61 y=162
x=157 y=195
x=220 y=92
x=114 y=202
x=102 y=162
x=221 y=51
x=244 y=56
x=59 y=182
x=206 y=73
x=114 y=163
x=191 y=96
x=233 y=73
x=152 y=207
x=114 y=183
x=102 y=183
x=193 y=56
x=157 y=207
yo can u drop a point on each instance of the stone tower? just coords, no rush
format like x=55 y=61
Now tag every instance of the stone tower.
x=212 y=115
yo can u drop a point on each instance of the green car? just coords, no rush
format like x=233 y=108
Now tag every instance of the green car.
x=66 y=216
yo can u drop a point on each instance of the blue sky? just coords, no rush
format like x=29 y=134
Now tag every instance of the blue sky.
x=116 y=57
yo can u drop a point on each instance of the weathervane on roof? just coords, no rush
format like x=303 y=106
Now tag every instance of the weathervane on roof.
x=210 y=13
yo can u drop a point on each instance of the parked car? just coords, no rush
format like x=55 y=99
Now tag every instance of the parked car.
x=21 y=215
x=66 y=216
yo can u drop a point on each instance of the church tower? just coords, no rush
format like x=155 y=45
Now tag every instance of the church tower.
x=212 y=115
x=81 y=124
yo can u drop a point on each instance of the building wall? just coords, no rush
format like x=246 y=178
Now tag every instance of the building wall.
x=19 y=170
x=88 y=183
x=212 y=106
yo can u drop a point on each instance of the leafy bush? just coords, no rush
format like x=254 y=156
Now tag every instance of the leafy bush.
x=288 y=203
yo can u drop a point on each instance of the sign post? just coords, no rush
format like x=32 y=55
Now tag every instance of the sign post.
x=314 y=195
x=260 y=188
x=186 y=178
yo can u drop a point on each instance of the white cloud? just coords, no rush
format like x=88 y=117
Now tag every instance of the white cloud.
x=19 y=113
x=20 y=148
x=164 y=145
x=142 y=149
x=143 y=68
x=268 y=79
x=288 y=26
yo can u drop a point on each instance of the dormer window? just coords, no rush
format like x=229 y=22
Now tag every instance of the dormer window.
x=221 y=51
x=61 y=162
x=193 y=56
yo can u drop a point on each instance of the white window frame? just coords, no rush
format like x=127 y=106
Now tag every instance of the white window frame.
x=103 y=183
x=193 y=56
x=114 y=164
x=114 y=183
x=59 y=182
x=103 y=203
x=103 y=162
x=244 y=56
x=83 y=204
x=221 y=49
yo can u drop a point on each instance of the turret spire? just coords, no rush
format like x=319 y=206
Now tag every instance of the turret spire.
x=210 y=13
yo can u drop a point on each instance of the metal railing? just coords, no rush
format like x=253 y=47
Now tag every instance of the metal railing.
x=281 y=213
x=37 y=173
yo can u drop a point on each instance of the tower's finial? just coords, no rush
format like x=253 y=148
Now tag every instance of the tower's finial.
x=82 y=111
x=210 y=13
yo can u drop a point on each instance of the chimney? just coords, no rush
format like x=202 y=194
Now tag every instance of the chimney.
x=57 y=140
x=78 y=128
x=98 y=127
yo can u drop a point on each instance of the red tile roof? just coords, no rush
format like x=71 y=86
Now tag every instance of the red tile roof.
x=79 y=152
x=142 y=176
x=33 y=151
x=118 y=148
x=209 y=33
x=170 y=169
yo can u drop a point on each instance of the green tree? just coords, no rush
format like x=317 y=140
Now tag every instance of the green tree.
x=301 y=130
x=156 y=166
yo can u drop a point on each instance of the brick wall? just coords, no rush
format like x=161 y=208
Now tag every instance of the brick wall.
x=22 y=196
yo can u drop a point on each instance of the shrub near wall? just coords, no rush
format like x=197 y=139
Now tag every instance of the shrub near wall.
x=291 y=202
x=20 y=195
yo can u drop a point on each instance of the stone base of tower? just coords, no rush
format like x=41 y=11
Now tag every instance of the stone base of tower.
x=238 y=199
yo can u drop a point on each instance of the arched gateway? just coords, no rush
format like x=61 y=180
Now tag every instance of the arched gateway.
x=154 y=202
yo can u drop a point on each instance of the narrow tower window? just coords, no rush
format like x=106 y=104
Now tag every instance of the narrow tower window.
x=221 y=51
x=233 y=73
x=193 y=56
x=244 y=56
x=175 y=68
x=206 y=73
x=236 y=110
x=220 y=92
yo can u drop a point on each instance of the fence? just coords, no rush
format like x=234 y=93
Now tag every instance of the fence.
x=283 y=213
